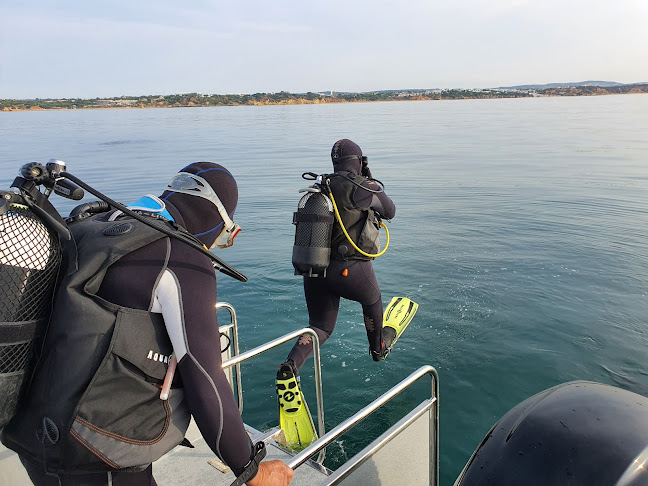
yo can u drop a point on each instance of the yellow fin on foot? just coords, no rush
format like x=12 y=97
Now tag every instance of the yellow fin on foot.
x=397 y=316
x=294 y=417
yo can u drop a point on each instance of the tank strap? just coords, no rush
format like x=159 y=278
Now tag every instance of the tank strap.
x=12 y=332
x=312 y=218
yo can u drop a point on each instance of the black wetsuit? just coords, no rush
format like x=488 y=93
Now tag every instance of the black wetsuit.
x=360 y=285
x=175 y=280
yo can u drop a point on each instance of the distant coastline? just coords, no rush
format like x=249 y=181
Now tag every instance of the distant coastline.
x=286 y=98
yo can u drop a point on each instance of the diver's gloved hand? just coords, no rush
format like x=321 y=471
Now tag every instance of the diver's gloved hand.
x=365 y=171
x=365 y=167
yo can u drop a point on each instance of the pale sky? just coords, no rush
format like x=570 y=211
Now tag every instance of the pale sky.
x=97 y=48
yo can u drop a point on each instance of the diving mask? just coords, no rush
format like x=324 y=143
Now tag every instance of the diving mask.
x=186 y=183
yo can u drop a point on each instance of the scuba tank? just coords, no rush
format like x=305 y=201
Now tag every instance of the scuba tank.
x=313 y=227
x=314 y=220
x=31 y=232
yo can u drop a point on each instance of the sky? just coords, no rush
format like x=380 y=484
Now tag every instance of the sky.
x=98 y=48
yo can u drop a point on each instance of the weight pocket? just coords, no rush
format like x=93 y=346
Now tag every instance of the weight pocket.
x=120 y=417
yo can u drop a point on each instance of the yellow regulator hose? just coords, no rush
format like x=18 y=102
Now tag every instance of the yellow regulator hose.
x=382 y=225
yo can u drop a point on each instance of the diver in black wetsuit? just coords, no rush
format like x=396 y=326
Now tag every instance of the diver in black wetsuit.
x=171 y=278
x=350 y=274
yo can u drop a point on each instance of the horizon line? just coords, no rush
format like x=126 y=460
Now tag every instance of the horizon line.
x=519 y=86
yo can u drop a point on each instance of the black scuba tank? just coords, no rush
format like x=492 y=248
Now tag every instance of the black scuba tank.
x=30 y=257
x=313 y=226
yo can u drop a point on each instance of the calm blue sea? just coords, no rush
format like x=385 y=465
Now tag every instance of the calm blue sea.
x=520 y=229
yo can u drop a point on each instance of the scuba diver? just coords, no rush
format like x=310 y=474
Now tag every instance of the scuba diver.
x=87 y=419
x=350 y=273
x=334 y=256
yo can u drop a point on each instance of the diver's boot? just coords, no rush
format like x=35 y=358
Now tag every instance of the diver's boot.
x=287 y=378
x=389 y=335
x=288 y=364
x=382 y=354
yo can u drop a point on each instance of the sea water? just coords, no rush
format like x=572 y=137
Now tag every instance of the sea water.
x=520 y=230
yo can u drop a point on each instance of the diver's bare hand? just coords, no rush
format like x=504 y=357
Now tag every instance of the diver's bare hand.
x=272 y=473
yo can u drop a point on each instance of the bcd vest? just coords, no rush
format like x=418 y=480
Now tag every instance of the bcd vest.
x=94 y=401
x=361 y=224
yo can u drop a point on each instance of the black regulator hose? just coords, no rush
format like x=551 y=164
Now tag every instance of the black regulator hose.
x=87 y=209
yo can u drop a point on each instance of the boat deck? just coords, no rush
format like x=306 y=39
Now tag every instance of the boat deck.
x=199 y=466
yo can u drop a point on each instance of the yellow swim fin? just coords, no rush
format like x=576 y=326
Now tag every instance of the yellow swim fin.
x=397 y=316
x=294 y=417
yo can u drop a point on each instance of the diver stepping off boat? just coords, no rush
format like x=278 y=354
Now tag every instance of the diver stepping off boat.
x=337 y=235
x=336 y=239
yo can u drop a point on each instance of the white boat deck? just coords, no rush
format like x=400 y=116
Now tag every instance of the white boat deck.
x=12 y=473
x=184 y=466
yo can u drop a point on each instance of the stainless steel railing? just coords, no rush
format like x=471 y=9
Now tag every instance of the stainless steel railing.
x=334 y=433
x=319 y=446
x=232 y=333
x=239 y=358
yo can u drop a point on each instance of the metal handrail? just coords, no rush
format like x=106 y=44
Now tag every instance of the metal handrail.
x=334 y=433
x=239 y=358
x=235 y=349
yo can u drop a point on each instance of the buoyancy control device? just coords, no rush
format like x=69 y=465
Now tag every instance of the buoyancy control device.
x=105 y=411
x=36 y=247
x=314 y=220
